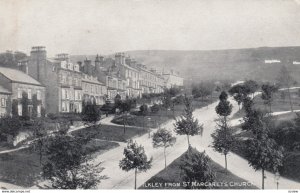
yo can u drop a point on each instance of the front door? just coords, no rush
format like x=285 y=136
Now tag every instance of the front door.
x=71 y=107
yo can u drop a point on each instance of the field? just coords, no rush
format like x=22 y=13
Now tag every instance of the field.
x=173 y=174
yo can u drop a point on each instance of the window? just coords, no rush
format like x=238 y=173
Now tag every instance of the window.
x=38 y=110
x=70 y=80
x=38 y=95
x=3 y=102
x=67 y=94
x=63 y=106
x=20 y=109
x=63 y=93
x=19 y=93
x=71 y=94
x=29 y=94
x=63 y=79
x=77 y=95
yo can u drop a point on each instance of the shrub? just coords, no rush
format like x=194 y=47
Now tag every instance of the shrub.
x=155 y=108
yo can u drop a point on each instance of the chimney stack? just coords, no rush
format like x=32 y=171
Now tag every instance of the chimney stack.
x=37 y=62
x=88 y=68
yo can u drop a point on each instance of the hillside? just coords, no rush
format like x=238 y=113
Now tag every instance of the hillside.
x=235 y=64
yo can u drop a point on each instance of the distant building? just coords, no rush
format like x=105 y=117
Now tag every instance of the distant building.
x=296 y=63
x=130 y=74
x=172 y=79
x=16 y=83
x=5 y=101
x=150 y=81
x=272 y=61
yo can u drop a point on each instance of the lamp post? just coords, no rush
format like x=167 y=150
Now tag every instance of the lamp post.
x=124 y=126
x=277 y=177
x=149 y=119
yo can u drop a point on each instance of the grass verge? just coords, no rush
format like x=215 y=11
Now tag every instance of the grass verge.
x=172 y=177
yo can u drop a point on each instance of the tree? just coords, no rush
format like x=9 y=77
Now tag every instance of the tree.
x=9 y=128
x=203 y=90
x=282 y=95
x=67 y=165
x=252 y=86
x=173 y=91
x=267 y=94
x=166 y=101
x=248 y=104
x=39 y=134
x=224 y=108
x=223 y=139
x=127 y=105
x=117 y=99
x=262 y=151
x=10 y=59
x=155 y=108
x=135 y=159
x=90 y=113
x=25 y=103
x=144 y=112
x=14 y=108
x=239 y=93
x=35 y=103
x=285 y=79
x=196 y=168
x=163 y=138
x=187 y=125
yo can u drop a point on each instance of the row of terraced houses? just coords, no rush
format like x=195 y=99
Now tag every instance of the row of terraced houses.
x=58 y=85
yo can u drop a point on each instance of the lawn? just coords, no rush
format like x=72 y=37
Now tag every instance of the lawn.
x=173 y=175
x=22 y=167
x=110 y=132
x=279 y=103
x=154 y=119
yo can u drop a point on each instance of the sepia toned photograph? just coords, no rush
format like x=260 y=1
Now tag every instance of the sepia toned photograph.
x=149 y=95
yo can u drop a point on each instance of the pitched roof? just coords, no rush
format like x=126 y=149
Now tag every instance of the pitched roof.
x=4 y=90
x=18 y=76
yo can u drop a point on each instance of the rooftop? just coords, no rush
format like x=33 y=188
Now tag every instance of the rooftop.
x=18 y=76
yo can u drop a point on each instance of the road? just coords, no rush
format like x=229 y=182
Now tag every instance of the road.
x=119 y=179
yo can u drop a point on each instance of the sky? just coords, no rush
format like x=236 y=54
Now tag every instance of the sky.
x=107 y=26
